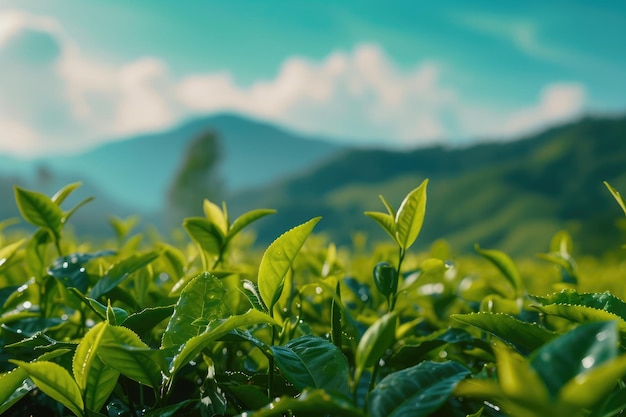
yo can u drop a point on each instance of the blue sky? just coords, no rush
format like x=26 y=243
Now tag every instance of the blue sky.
x=76 y=73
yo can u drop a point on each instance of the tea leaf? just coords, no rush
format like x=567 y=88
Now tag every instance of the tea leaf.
x=95 y=379
x=591 y=387
x=504 y=263
x=574 y=353
x=60 y=196
x=277 y=261
x=410 y=216
x=205 y=233
x=417 y=391
x=196 y=344
x=310 y=402
x=14 y=385
x=202 y=298
x=120 y=271
x=313 y=362
x=375 y=341
x=385 y=221
x=215 y=215
x=122 y=350
x=600 y=301
x=246 y=219
x=617 y=196
x=55 y=381
x=525 y=336
x=39 y=210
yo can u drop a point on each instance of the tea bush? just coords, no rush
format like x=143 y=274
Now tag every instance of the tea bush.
x=210 y=327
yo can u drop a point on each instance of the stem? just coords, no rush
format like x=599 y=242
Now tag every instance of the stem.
x=270 y=371
x=373 y=377
x=394 y=296
x=57 y=244
x=219 y=259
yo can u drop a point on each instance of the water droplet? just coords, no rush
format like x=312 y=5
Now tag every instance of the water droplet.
x=588 y=361
x=65 y=265
x=318 y=290
x=27 y=305
x=603 y=335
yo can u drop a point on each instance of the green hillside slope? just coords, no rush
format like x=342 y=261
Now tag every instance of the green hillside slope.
x=510 y=195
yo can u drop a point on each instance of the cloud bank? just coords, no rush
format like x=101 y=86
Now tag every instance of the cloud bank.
x=54 y=98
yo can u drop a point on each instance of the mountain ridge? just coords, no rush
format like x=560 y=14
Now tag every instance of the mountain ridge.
x=478 y=194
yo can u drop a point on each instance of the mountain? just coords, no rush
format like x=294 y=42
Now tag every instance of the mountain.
x=136 y=171
x=510 y=195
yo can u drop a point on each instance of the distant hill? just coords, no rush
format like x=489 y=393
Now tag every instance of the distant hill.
x=509 y=195
x=136 y=171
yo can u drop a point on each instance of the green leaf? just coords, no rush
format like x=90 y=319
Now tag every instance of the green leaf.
x=99 y=308
x=147 y=319
x=504 y=263
x=56 y=382
x=617 y=196
x=70 y=270
x=583 y=314
x=311 y=403
x=410 y=216
x=95 y=380
x=8 y=251
x=120 y=271
x=600 y=301
x=517 y=378
x=196 y=344
x=39 y=210
x=246 y=219
x=277 y=261
x=526 y=337
x=35 y=252
x=215 y=215
x=122 y=350
x=589 y=388
x=60 y=196
x=207 y=235
x=251 y=292
x=417 y=391
x=375 y=341
x=13 y=386
x=574 y=353
x=68 y=214
x=202 y=298
x=313 y=362
x=386 y=221
x=390 y=209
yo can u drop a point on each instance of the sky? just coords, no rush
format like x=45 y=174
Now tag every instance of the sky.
x=77 y=73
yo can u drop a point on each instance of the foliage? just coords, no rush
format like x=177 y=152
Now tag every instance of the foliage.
x=211 y=327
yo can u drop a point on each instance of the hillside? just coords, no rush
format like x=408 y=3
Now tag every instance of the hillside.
x=510 y=195
x=136 y=171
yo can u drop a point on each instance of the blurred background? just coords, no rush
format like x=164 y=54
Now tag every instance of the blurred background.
x=515 y=111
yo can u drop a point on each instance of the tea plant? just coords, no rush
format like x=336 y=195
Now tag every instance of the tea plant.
x=129 y=328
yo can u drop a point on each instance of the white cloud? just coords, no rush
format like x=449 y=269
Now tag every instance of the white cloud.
x=70 y=101
x=557 y=103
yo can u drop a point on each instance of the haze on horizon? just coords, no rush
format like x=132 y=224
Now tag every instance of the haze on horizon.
x=74 y=74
